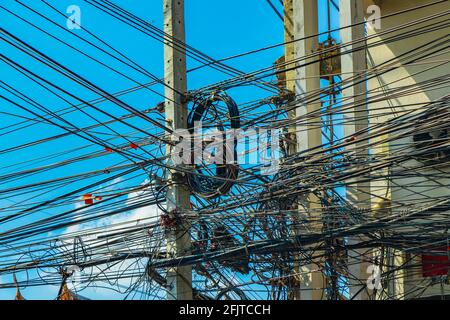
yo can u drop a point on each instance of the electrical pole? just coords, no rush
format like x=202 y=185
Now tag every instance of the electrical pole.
x=353 y=66
x=179 y=279
x=301 y=21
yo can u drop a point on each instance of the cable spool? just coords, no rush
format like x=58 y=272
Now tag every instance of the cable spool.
x=211 y=186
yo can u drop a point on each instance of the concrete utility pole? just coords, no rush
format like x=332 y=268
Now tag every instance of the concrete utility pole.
x=353 y=66
x=301 y=20
x=179 y=279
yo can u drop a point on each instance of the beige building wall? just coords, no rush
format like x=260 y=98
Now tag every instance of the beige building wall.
x=400 y=195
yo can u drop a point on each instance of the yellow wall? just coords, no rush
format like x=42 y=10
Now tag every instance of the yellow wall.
x=403 y=190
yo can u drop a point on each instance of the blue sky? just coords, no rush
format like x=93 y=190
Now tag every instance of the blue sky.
x=217 y=28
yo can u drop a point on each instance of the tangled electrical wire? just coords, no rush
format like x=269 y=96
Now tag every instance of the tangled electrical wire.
x=225 y=173
x=83 y=204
